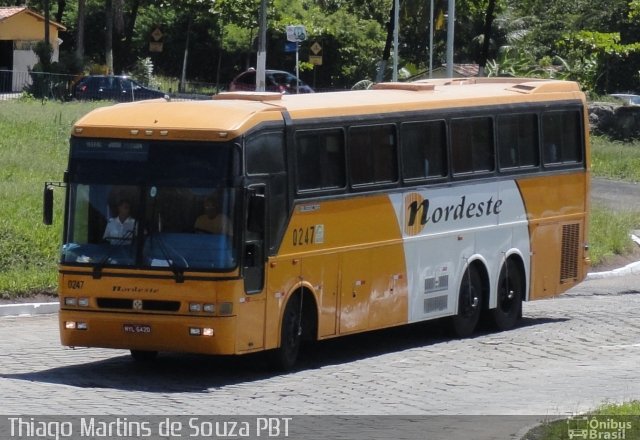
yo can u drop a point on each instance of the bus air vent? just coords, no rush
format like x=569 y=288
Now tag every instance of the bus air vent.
x=570 y=251
x=436 y=304
x=411 y=86
x=250 y=96
x=436 y=283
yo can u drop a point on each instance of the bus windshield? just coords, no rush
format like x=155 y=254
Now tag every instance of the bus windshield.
x=152 y=204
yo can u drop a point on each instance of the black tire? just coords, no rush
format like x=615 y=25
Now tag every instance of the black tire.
x=469 y=304
x=510 y=294
x=284 y=357
x=143 y=355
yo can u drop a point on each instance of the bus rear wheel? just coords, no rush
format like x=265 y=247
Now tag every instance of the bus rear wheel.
x=143 y=355
x=469 y=304
x=284 y=357
x=510 y=293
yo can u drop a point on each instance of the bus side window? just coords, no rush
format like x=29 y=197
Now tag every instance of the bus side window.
x=472 y=145
x=265 y=153
x=373 y=154
x=320 y=160
x=424 y=150
x=561 y=137
x=518 y=141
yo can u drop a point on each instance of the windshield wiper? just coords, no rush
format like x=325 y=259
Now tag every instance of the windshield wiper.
x=97 y=269
x=178 y=272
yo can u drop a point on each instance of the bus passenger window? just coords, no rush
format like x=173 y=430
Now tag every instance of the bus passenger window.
x=518 y=141
x=561 y=137
x=424 y=150
x=372 y=154
x=265 y=153
x=472 y=145
x=320 y=160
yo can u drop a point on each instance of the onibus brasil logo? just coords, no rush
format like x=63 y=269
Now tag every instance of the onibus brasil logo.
x=598 y=428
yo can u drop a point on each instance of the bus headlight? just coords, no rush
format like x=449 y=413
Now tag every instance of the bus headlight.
x=209 y=308
x=70 y=301
x=83 y=302
x=195 y=307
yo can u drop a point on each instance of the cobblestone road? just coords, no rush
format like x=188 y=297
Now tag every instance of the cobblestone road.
x=569 y=355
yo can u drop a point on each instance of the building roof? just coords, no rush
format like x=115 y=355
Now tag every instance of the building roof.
x=11 y=11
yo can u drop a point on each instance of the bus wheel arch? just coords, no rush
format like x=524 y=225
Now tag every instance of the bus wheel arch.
x=298 y=323
x=472 y=299
x=510 y=293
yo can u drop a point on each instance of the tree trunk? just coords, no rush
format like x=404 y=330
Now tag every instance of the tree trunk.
x=62 y=4
x=46 y=23
x=108 y=46
x=125 y=55
x=386 y=54
x=488 y=25
x=80 y=31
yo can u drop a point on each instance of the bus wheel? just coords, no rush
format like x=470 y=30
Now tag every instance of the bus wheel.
x=469 y=304
x=510 y=294
x=143 y=355
x=284 y=357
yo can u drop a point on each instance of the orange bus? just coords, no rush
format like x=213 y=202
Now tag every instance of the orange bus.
x=257 y=221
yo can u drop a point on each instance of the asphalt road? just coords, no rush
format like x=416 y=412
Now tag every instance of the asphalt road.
x=621 y=196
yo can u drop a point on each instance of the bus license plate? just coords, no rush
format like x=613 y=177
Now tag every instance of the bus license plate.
x=136 y=328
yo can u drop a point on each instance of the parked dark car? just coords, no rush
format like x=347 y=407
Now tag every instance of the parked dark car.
x=114 y=88
x=275 y=81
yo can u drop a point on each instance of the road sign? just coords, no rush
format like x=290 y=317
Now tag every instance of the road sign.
x=316 y=48
x=156 y=34
x=155 y=46
x=296 y=33
x=315 y=60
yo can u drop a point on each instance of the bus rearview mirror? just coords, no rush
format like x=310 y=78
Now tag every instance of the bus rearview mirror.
x=47 y=205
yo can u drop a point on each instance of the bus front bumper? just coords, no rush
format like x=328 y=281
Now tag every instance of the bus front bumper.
x=188 y=334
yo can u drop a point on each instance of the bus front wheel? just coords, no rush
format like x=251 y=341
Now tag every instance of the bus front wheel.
x=510 y=294
x=469 y=304
x=284 y=357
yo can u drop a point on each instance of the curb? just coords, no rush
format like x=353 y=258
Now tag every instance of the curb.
x=629 y=269
x=29 y=309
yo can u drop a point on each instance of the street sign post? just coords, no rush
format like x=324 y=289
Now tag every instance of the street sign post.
x=296 y=34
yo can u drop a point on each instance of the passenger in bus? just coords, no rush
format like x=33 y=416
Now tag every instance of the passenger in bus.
x=119 y=230
x=213 y=221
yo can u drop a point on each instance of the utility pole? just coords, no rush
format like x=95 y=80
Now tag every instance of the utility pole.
x=431 y=40
x=261 y=61
x=451 y=21
x=396 y=20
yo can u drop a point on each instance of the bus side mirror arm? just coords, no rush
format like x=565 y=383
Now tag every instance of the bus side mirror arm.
x=47 y=201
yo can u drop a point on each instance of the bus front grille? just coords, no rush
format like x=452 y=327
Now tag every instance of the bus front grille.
x=130 y=304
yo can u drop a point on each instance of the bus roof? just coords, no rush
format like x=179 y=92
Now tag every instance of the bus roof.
x=231 y=114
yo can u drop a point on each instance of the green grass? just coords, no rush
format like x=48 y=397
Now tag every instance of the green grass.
x=34 y=146
x=609 y=233
x=604 y=422
x=615 y=159
x=34 y=139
